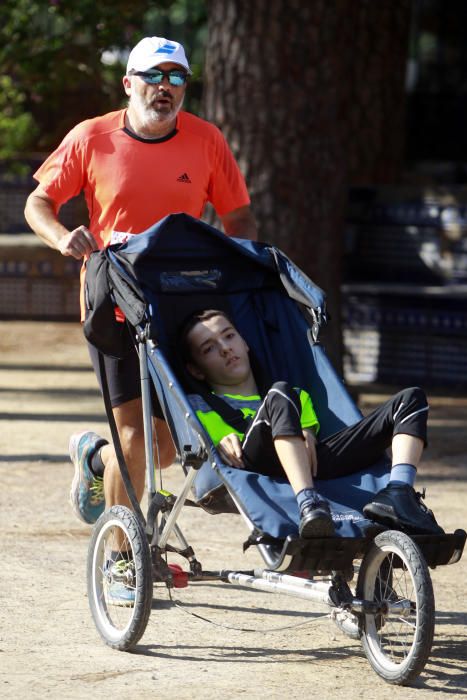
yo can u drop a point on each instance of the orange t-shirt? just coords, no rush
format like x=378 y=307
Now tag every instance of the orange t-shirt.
x=131 y=183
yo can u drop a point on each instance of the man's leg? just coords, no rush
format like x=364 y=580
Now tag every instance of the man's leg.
x=91 y=454
x=97 y=472
x=129 y=420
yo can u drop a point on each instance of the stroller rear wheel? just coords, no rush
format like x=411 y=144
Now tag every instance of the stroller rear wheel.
x=397 y=638
x=119 y=578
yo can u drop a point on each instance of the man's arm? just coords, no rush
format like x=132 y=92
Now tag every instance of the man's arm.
x=40 y=213
x=240 y=223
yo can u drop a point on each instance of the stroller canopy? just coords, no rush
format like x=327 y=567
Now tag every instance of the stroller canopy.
x=182 y=265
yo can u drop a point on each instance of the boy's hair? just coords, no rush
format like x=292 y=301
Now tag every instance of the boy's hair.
x=189 y=323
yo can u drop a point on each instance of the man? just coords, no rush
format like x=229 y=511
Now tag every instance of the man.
x=135 y=165
x=282 y=434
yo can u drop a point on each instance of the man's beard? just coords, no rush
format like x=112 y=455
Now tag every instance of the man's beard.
x=148 y=114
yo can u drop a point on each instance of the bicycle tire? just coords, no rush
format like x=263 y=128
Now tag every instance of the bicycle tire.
x=397 y=641
x=120 y=625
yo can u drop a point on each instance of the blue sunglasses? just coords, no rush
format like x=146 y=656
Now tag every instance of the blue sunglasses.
x=155 y=77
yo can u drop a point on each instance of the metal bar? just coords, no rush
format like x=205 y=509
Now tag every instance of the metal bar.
x=178 y=505
x=296 y=581
x=147 y=417
x=311 y=593
x=180 y=536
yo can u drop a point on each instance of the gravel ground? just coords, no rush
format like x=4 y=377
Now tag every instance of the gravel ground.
x=49 y=647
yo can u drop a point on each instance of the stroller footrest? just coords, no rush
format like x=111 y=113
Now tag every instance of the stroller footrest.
x=441 y=549
x=322 y=555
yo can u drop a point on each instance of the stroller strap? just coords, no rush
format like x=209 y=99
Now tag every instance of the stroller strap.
x=231 y=416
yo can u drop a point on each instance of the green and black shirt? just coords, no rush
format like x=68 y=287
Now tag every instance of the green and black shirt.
x=217 y=428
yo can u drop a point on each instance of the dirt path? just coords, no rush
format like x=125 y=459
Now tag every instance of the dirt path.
x=49 y=647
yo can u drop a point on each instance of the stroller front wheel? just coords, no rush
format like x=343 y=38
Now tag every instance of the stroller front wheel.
x=119 y=578
x=397 y=639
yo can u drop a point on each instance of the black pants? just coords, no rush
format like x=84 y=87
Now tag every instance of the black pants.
x=349 y=450
x=123 y=375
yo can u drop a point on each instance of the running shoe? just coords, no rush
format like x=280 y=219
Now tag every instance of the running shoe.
x=120 y=588
x=87 y=489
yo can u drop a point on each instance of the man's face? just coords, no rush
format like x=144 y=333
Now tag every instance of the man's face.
x=154 y=103
x=219 y=353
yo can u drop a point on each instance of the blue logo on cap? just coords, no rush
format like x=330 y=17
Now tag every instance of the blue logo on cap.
x=167 y=48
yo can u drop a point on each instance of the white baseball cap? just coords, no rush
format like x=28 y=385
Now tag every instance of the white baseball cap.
x=154 y=50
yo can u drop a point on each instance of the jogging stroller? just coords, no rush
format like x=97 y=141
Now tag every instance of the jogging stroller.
x=157 y=278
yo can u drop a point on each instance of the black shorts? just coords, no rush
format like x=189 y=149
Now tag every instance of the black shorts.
x=123 y=377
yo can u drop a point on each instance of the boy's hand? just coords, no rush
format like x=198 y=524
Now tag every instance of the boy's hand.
x=310 y=442
x=230 y=449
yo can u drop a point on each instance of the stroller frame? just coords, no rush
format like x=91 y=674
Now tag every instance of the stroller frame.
x=319 y=570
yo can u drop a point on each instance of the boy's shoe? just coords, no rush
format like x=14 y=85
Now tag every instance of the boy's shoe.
x=399 y=506
x=316 y=520
x=87 y=489
x=120 y=581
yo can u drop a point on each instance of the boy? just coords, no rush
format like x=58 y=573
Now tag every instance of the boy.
x=281 y=437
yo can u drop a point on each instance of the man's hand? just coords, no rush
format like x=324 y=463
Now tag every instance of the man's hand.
x=78 y=244
x=230 y=449
x=310 y=443
x=41 y=215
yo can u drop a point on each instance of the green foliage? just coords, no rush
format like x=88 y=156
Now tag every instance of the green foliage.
x=64 y=59
x=17 y=127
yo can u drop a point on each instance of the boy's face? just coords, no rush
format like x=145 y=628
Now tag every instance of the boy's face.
x=219 y=353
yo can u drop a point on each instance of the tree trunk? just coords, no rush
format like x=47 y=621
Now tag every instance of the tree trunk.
x=302 y=92
x=372 y=95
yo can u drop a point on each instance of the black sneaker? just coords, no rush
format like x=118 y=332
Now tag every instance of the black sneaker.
x=399 y=506
x=316 y=520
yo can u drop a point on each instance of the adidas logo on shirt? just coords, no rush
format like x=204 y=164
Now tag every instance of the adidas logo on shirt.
x=184 y=178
